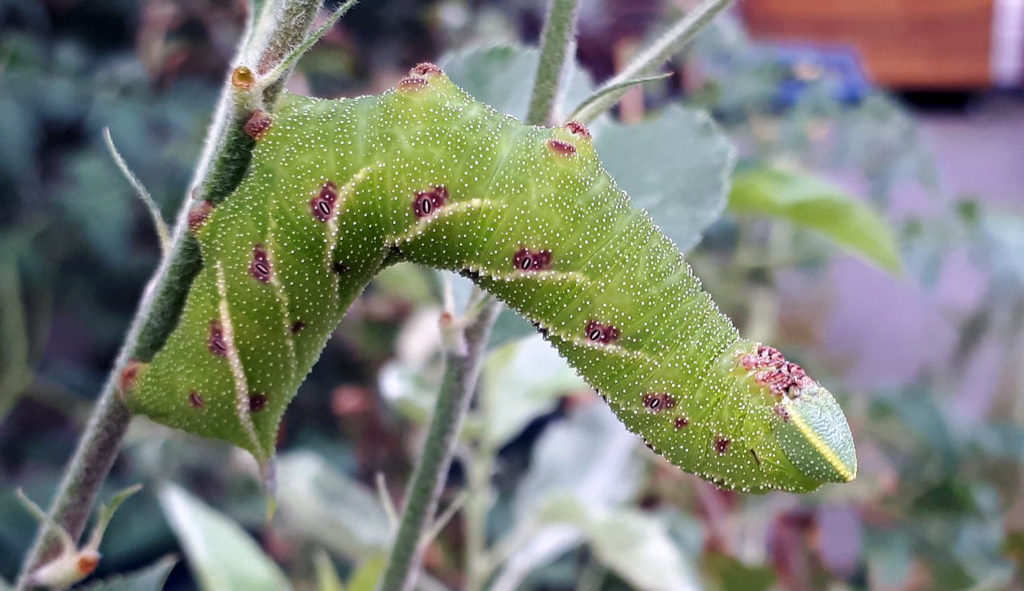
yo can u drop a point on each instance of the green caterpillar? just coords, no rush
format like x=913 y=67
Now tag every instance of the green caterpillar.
x=337 y=190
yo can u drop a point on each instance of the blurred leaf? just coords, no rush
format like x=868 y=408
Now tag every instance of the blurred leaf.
x=327 y=578
x=1014 y=546
x=151 y=578
x=889 y=559
x=522 y=381
x=810 y=202
x=366 y=576
x=733 y=575
x=637 y=548
x=1004 y=241
x=584 y=462
x=220 y=553
x=675 y=165
x=502 y=77
x=329 y=508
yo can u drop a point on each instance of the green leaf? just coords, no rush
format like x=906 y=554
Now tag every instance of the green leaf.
x=330 y=508
x=151 y=578
x=733 y=575
x=222 y=556
x=811 y=202
x=327 y=578
x=366 y=576
x=503 y=76
x=636 y=547
x=676 y=165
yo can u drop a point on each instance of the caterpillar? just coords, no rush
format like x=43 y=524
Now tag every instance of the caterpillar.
x=339 y=189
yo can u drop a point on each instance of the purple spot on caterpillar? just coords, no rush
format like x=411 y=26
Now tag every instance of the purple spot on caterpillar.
x=216 y=343
x=297 y=326
x=130 y=373
x=722 y=445
x=258 y=124
x=428 y=202
x=195 y=399
x=425 y=70
x=561 y=148
x=322 y=205
x=259 y=267
x=527 y=260
x=601 y=333
x=198 y=215
x=681 y=422
x=782 y=412
x=658 y=401
x=258 y=402
x=339 y=268
x=577 y=128
x=771 y=370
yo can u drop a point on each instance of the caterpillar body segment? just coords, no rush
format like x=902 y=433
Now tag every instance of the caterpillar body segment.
x=423 y=173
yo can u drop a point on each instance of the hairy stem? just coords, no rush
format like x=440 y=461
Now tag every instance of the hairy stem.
x=556 y=54
x=462 y=368
x=278 y=29
x=651 y=58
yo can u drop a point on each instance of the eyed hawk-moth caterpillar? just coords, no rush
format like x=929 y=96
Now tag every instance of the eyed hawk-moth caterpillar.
x=339 y=189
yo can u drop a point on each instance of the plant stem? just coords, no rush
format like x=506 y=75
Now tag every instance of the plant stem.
x=559 y=44
x=651 y=59
x=280 y=27
x=462 y=368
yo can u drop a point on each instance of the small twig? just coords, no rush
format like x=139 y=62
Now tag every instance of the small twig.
x=162 y=232
x=651 y=59
x=606 y=90
x=311 y=40
x=385 y=500
x=442 y=520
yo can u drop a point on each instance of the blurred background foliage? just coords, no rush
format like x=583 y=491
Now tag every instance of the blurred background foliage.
x=838 y=229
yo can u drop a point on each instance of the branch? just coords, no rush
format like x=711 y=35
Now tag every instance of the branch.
x=650 y=60
x=460 y=375
x=556 y=54
x=273 y=34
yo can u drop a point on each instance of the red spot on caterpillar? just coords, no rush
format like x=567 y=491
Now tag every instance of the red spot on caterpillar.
x=297 y=326
x=658 y=401
x=601 y=333
x=425 y=70
x=87 y=563
x=561 y=148
x=198 y=215
x=412 y=84
x=577 y=128
x=681 y=422
x=782 y=412
x=216 y=343
x=128 y=375
x=195 y=399
x=771 y=370
x=259 y=267
x=722 y=445
x=258 y=402
x=322 y=205
x=258 y=124
x=527 y=260
x=428 y=202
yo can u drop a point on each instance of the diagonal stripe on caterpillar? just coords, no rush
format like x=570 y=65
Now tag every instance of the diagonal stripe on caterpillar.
x=423 y=173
